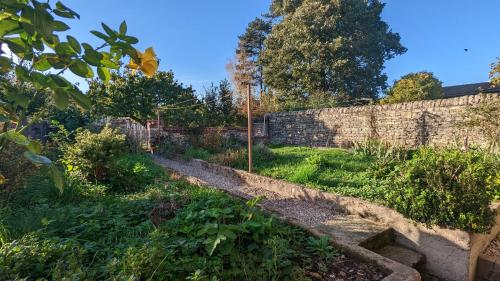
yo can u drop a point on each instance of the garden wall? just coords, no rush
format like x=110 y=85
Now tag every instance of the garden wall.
x=433 y=122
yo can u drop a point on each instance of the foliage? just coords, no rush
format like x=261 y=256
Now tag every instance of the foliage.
x=91 y=155
x=381 y=150
x=140 y=97
x=14 y=167
x=250 y=46
x=308 y=171
x=414 y=87
x=91 y=234
x=495 y=73
x=131 y=172
x=219 y=107
x=449 y=188
x=486 y=118
x=39 y=56
x=336 y=49
x=195 y=153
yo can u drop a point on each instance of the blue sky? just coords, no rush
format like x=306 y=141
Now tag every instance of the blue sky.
x=196 y=38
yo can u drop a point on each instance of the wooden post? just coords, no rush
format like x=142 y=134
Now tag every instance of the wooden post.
x=250 y=133
x=158 y=128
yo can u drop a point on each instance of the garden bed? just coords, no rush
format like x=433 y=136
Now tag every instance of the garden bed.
x=93 y=233
x=451 y=253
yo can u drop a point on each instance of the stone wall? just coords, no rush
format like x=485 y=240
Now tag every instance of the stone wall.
x=433 y=122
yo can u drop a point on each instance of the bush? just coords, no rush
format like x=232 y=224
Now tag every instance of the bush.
x=233 y=158
x=91 y=154
x=132 y=172
x=381 y=150
x=448 y=188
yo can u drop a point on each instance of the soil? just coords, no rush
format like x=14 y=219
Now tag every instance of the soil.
x=346 y=269
x=493 y=249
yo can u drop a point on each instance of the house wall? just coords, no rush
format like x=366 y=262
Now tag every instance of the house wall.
x=433 y=122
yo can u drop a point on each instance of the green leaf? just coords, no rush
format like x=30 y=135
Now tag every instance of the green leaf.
x=63 y=11
x=64 y=49
x=81 y=69
x=211 y=243
x=81 y=99
x=91 y=56
x=59 y=26
x=61 y=99
x=7 y=26
x=75 y=45
x=15 y=137
x=100 y=35
x=108 y=30
x=22 y=73
x=39 y=80
x=123 y=28
x=4 y=118
x=104 y=74
x=37 y=159
x=35 y=146
x=131 y=39
x=42 y=64
x=57 y=177
x=58 y=81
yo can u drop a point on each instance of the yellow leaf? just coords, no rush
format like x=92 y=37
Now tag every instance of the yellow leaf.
x=148 y=63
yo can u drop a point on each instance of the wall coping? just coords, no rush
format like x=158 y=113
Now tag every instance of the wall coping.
x=459 y=101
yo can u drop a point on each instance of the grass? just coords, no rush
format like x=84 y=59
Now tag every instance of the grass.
x=92 y=233
x=335 y=170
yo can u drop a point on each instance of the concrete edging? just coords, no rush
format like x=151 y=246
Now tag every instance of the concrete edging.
x=450 y=254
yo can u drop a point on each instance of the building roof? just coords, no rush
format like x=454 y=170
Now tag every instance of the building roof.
x=469 y=89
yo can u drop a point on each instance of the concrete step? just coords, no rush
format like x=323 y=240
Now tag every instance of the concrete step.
x=356 y=231
x=402 y=255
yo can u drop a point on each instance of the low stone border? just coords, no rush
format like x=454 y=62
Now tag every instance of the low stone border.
x=396 y=271
x=450 y=254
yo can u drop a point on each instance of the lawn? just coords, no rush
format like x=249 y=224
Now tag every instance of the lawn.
x=328 y=169
x=92 y=233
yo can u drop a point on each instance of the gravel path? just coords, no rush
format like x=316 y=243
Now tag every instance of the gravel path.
x=307 y=212
x=311 y=213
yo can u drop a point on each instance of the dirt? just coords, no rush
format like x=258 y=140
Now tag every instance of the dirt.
x=346 y=269
x=493 y=249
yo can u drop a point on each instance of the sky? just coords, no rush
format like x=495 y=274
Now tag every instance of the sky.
x=197 y=38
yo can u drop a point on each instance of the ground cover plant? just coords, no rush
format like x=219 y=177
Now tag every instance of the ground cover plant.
x=445 y=187
x=93 y=233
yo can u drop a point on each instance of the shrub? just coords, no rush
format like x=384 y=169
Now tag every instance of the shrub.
x=233 y=158
x=133 y=172
x=91 y=154
x=448 y=188
x=262 y=153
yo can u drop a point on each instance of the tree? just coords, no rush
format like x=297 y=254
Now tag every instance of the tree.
x=30 y=30
x=140 y=98
x=334 y=49
x=495 y=73
x=219 y=106
x=250 y=46
x=415 y=86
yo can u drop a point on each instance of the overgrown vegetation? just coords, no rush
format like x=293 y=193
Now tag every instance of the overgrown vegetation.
x=445 y=187
x=92 y=233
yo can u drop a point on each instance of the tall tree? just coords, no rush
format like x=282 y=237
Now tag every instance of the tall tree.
x=139 y=98
x=415 y=86
x=250 y=46
x=329 y=48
